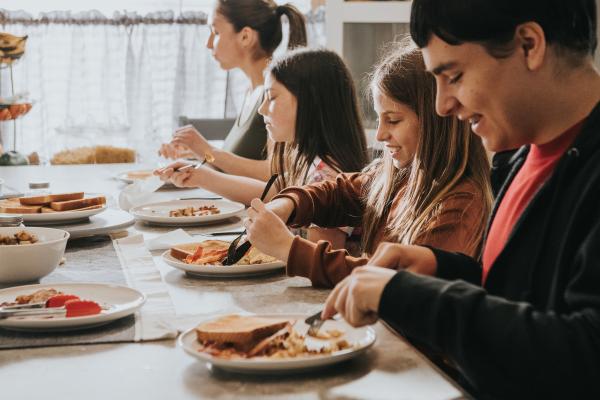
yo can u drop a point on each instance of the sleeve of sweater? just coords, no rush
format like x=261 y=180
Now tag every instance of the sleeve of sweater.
x=500 y=344
x=324 y=266
x=328 y=204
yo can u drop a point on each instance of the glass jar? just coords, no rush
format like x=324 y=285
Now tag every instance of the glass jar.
x=10 y=220
x=39 y=188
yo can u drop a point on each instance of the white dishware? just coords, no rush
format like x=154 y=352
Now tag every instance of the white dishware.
x=111 y=220
x=121 y=301
x=361 y=339
x=30 y=262
x=127 y=178
x=130 y=176
x=158 y=213
x=210 y=270
x=61 y=216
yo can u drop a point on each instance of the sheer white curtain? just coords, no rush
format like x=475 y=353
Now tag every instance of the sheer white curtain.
x=123 y=80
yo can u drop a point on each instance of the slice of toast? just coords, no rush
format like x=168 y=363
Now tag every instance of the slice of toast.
x=77 y=204
x=12 y=206
x=181 y=251
x=45 y=200
x=241 y=331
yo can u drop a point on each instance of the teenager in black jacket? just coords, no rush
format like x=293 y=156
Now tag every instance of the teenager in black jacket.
x=522 y=72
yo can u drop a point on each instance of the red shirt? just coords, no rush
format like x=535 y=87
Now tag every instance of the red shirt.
x=537 y=168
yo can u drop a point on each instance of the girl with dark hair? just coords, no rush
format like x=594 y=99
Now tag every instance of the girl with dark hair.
x=311 y=113
x=244 y=34
x=431 y=186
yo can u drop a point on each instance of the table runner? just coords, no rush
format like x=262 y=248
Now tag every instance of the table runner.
x=96 y=260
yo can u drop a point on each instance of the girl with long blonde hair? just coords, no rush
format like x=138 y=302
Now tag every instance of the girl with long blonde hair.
x=430 y=187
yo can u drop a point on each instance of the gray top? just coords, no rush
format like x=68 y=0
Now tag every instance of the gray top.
x=248 y=138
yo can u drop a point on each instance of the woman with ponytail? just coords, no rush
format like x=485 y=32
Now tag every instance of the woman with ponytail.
x=243 y=34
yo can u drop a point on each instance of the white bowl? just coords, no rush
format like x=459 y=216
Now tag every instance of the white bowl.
x=30 y=262
x=1 y=182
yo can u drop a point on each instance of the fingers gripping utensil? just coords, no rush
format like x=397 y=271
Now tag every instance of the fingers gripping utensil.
x=234 y=253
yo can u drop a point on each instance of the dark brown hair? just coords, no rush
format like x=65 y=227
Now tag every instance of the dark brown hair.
x=447 y=152
x=328 y=123
x=264 y=16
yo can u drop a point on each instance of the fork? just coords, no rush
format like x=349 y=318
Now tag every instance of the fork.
x=234 y=253
x=315 y=323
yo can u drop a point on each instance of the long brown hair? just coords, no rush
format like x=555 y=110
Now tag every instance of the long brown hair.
x=447 y=152
x=328 y=123
x=264 y=16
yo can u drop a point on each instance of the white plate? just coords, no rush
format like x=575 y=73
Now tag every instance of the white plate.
x=123 y=177
x=111 y=220
x=124 y=301
x=158 y=213
x=361 y=338
x=61 y=216
x=222 y=270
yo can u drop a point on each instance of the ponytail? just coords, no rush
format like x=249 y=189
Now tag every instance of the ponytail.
x=264 y=16
x=297 y=25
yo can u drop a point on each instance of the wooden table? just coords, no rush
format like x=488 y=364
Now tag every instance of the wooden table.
x=392 y=369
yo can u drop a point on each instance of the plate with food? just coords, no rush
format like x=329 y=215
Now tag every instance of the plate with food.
x=205 y=259
x=54 y=208
x=66 y=306
x=139 y=175
x=273 y=343
x=187 y=212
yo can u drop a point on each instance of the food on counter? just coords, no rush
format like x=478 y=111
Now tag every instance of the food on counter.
x=212 y=252
x=39 y=296
x=19 y=238
x=11 y=47
x=94 y=155
x=52 y=298
x=143 y=174
x=49 y=198
x=236 y=336
x=51 y=203
x=194 y=211
x=12 y=206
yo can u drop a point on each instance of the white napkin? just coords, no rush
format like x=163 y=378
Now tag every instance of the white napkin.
x=139 y=192
x=168 y=240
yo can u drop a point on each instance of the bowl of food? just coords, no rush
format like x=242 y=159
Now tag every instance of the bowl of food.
x=28 y=254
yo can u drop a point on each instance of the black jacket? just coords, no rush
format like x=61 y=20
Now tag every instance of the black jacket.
x=533 y=331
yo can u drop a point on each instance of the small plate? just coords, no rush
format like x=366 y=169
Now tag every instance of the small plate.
x=140 y=174
x=60 y=216
x=132 y=176
x=123 y=300
x=222 y=270
x=362 y=339
x=158 y=213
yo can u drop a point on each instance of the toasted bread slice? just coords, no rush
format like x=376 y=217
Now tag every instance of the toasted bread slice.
x=181 y=251
x=48 y=210
x=12 y=206
x=241 y=331
x=49 y=198
x=77 y=204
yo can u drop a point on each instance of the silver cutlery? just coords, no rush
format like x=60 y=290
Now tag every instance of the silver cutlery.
x=234 y=253
x=315 y=323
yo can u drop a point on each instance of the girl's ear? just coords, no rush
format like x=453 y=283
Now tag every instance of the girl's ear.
x=248 y=38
